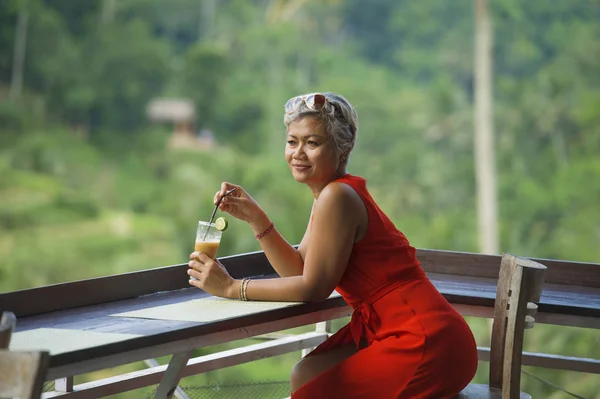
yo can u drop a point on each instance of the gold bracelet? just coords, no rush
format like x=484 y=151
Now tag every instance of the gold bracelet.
x=241 y=288
x=244 y=289
x=244 y=297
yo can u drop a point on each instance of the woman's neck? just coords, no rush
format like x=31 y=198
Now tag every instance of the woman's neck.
x=316 y=189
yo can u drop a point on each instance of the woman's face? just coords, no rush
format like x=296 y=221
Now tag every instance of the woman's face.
x=309 y=154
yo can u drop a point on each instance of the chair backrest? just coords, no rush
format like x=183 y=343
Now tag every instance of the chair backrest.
x=7 y=325
x=22 y=374
x=519 y=287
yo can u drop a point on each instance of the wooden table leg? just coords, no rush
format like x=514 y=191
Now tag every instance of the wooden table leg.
x=172 y=375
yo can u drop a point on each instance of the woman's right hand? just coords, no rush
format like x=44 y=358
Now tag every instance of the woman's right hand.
x=239 y=204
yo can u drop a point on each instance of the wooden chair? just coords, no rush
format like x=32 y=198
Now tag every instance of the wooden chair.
x=22 y=374
x=519 y=286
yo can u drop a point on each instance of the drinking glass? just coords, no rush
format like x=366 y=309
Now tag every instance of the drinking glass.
x=208 y=238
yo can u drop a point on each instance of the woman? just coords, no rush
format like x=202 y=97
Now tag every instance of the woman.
x=404 y=339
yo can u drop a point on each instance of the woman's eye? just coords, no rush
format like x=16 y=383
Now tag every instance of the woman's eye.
x=313 y=143
x=291 y=142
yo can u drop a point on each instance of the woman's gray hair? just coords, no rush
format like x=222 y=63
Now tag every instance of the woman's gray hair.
x=340 y=119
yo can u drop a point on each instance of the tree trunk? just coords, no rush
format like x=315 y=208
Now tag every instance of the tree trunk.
x=206 y=26
x=108 y=11
x=485 y=164
x=16 y=82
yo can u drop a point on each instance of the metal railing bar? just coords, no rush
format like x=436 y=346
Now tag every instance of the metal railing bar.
x=551 y=384
x=549 y=361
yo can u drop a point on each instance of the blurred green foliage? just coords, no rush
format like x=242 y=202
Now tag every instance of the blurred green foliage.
x=89 y=187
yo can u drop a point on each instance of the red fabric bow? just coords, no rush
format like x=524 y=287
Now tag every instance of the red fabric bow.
x=361 y=323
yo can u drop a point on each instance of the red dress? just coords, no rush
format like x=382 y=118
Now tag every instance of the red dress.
x=411 y=341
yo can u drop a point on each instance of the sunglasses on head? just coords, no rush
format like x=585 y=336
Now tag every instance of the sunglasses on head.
x=314 y=101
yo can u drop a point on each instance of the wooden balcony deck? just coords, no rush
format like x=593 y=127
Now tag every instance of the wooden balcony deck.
x=571 y=297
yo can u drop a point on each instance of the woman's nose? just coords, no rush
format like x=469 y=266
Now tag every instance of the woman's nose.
x=299 y=152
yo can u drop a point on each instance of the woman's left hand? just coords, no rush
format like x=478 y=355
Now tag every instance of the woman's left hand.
x=211 y=276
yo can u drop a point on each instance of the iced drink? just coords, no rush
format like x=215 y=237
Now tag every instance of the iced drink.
x=208 y=247
x=208 y=238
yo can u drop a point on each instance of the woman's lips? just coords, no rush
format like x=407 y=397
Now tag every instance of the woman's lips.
x=300 y=167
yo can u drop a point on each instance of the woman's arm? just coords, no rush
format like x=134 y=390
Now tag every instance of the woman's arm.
x=279 y=254
x=284 y=258
x=339 y=219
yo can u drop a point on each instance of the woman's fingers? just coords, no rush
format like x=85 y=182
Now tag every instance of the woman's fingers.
x=198 y=263
x=199 y=259
x=194 y=273
x=199 y=256
x=232 y=204
x=200 y=270
x=231 y=200
x=210 y=276
x=194 y=267
x=195 y=282
x=225 y=187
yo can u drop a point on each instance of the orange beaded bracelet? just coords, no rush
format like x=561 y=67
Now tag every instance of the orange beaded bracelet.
x=267 y=231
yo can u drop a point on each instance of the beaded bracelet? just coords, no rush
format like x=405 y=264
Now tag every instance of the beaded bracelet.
x=267 y=231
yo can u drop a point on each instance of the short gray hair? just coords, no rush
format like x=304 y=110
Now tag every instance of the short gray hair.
x=340 y=119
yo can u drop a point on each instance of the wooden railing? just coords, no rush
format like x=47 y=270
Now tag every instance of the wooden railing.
x=571 y=297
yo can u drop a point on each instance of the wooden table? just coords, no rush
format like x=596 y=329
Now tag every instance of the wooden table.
x=571 y=296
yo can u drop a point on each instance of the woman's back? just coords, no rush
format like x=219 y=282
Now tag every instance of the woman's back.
x=382 y=257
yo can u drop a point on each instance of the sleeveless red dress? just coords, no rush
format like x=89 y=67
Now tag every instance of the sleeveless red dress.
x=411 y=342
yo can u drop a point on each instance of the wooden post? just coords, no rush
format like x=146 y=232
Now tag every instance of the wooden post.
x=64 y=384
x=7 y=325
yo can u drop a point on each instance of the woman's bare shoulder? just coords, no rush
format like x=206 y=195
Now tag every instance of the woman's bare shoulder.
x=338 y=194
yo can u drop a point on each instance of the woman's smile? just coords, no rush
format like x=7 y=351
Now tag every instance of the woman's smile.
x=300 y=167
